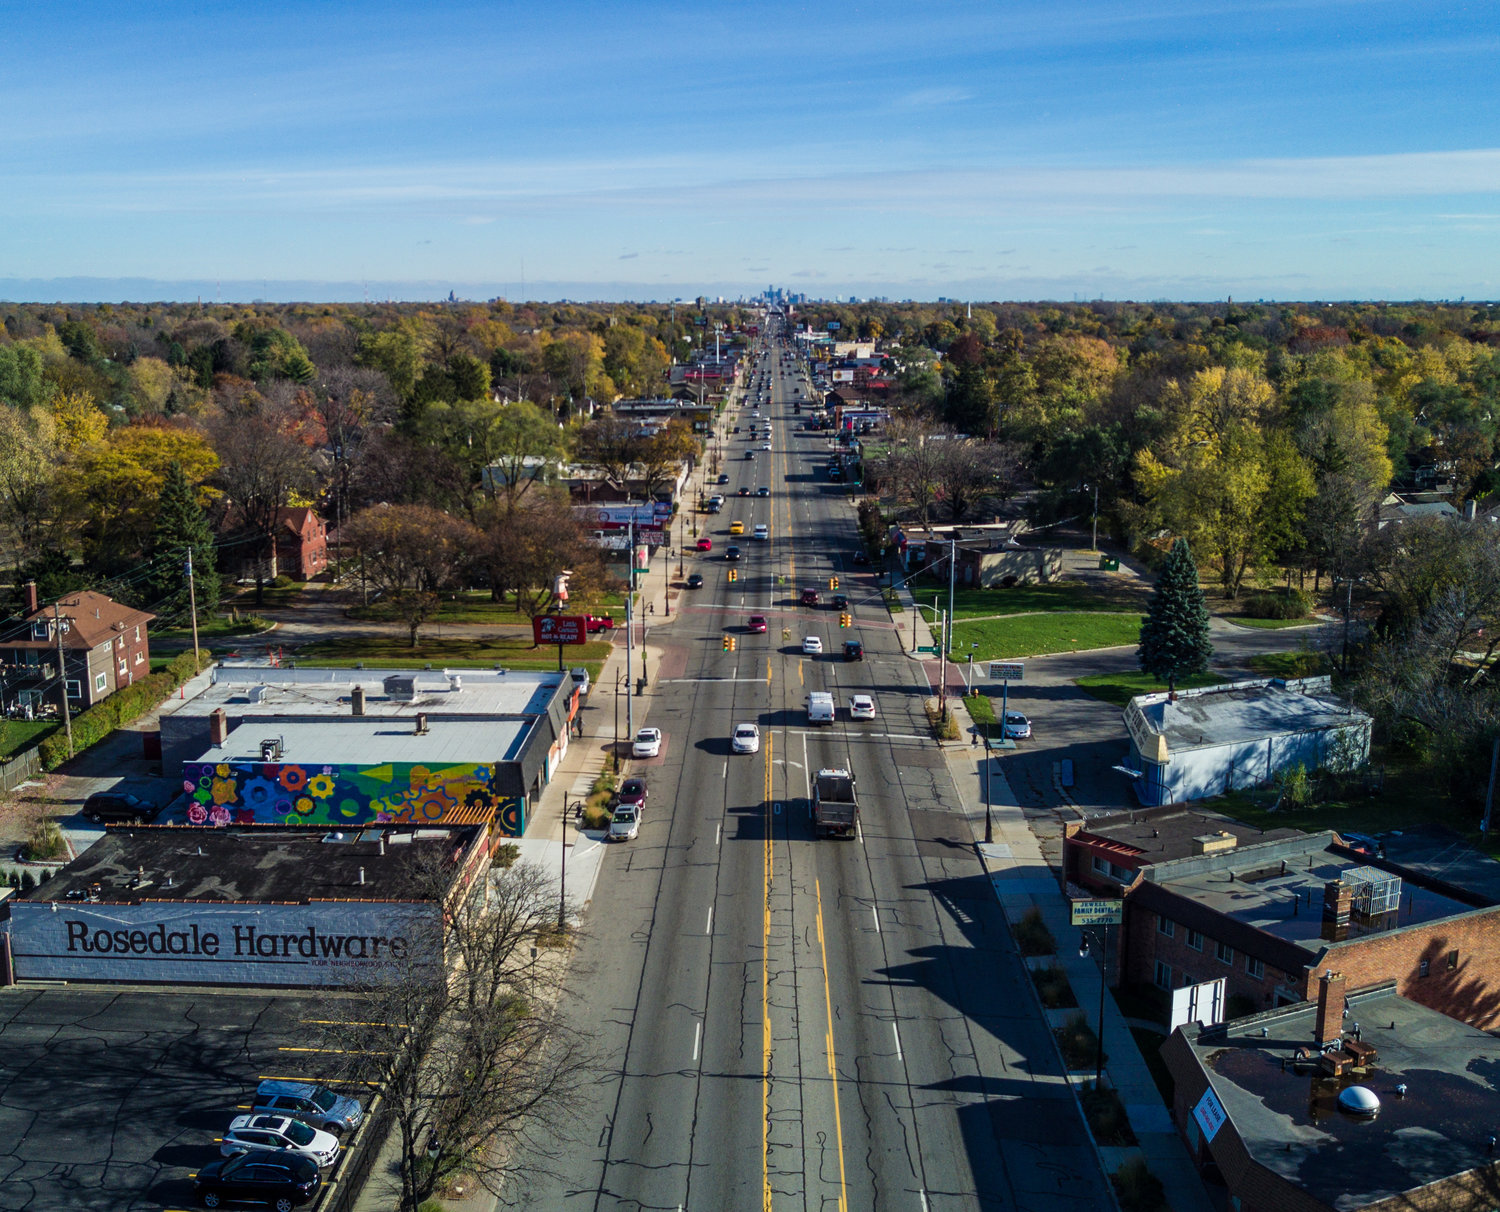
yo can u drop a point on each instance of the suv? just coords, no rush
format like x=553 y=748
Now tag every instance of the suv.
x=283 y=1180
x=106 y=806
x=810 y=597
x=854 y=650
x=315 y=1105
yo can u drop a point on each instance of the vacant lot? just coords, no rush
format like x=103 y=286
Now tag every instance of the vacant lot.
x=1061 y=596
x=1120 y=688
x=1034 y=634
x=509 y=652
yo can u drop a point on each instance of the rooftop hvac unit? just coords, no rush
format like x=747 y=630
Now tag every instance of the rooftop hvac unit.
x=270 y=750
x=1376 y=892
x=401 y=687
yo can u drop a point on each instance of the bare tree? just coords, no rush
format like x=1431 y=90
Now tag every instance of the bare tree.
x=412 y=553
x=461 y=1038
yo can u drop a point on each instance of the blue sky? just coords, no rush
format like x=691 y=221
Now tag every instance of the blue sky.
x=1007 y=149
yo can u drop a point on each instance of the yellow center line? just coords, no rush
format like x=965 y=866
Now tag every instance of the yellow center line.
x=833 y=1067
x=768 y=671
x=799 y=672
x=765 y=1004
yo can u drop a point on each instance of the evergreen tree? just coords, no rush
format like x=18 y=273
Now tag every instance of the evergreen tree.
x=180 y=527
x=1174 y=637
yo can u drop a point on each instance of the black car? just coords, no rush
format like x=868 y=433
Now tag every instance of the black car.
x=744 y=491
x=281 y=1179
x=841 y=601
x=105 y=806
x=762 y=491
x=695 y=581
x=854 y=650
x=731 y=553
x=723 y=478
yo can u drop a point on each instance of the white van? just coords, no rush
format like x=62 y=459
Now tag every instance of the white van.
x=819 y=707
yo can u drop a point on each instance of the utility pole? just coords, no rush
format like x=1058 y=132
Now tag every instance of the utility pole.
x=1095 y=546
x=947 y=627
x=629 y=620
x=62 y=675
x=193 y=606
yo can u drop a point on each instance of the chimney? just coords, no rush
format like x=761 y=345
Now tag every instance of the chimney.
x=1338 y=903
x=362 y=880
x=1330 y=1024
x=357 y=698
x=32 y=602
x=218 y=727
x=421 y=723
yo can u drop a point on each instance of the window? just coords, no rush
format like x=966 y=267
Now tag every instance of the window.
x=140 y=657
x=1256 y=968
x=39 y=630
x=124 y=668
x=138 y=633
x=1452 y=960
x=1165 y=925
x=99 y=681
x=1163 y=975
x=1423 y=968
x=1195 y=939
x=1103 y=866
x=1224 y=953
x=75 y=688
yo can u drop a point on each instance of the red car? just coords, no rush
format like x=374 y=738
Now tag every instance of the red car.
x=596 y=623
x=632 y=791
x=705 y=544
x=757 y=624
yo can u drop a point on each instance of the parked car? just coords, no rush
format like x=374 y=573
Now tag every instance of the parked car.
x=705 y=544
x=282 y=1180
x=280 y=1132
x=632 y=791
x=854 y=650
x=861 y=707
x=580 y=676
x=695 y=581
x=315 y=1105
x=812 y=646
x=757 y=624
x=112 y=806
x=625 y=823
x=647 y=743
x=746 y=738
x=1017 y=726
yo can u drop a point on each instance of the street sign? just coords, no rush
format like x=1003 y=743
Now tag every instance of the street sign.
x=652 y=538
x=1007 y=671
x=559 y=629
x=1097 y=913
x=932 y=648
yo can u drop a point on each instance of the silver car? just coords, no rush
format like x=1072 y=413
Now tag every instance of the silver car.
x=315 y=1105
x=246 y=1132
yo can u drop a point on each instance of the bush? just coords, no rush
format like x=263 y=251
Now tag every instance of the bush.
x=46 y=842
x=1078 y=1043
x=1137 y=1188
x=1285 y=603
x=282 y=582
x=505 y=855
x=1032 y=936
x=1294 y=785
x=944 y=728
x=28 y=881
x=122 y=707
x=1107 y=1119
x=1053 y=988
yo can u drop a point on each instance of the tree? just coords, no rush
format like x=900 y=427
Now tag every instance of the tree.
x=260 y=469
x=524 y=549
x=1174 y=635
x=411 y=553
x=29 y=456
x=461 y=1037
x=181 y=527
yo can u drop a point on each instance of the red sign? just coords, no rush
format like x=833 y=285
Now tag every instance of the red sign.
x=559 y=629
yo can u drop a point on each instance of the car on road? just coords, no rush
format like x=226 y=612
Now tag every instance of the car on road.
x=281 y=1180
x=723 y=478
x=750 y=455
x=647 y=743
x=765 y=446
x=625 y=823
x=695 y=581
x=732 y=553
x=812 y=646
x=762 y=491
x=809 y=597
x=280 y=1132
x=746 y=738
x=1017 y=726
x=736 y=528
x=632 y=791
x=854 y=650
x=841 y=601
x=598 y=622
x=744 y=490
x=757 y=624
x=580 y=676
x=705 y=544
x=761 y=532
x=104 y=807
x=861 y=707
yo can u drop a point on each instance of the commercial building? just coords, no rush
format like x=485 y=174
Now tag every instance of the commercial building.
x=1201 y=743
x=988 y=554
x=1370 y=1102
x=351 y=747
x=237 y=906
x=1207 y=898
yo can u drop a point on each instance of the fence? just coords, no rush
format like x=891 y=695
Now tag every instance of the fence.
x=25 y=765
x=356 y=1171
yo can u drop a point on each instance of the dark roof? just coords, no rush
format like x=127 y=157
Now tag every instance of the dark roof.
x=93 y=618
x=1162 y=834
x=256 y=864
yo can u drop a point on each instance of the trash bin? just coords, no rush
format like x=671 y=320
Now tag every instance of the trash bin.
x=1108 y=564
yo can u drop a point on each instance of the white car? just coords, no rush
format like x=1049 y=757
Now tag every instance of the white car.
x=861 y=707
x=1017 y=726
x=762 y=532
x=812 y=646
x=765 y=446
x=247 y=1132
x=625 y=824
x=746 y=738
x=647 y=743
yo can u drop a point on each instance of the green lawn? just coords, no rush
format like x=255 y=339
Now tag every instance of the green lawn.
x=1120 y=688
x=1023 y=599
x=475 y=606
x=1289 y=664
x=1033 y=634
x=16 y=735
x=509 y=652
x=275 y=599
x=216 y=627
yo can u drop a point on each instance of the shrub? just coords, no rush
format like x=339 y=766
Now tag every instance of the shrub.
x=505 y=855
x=130 y=703
x=1032 y=936
x=45 y=842
x=28 y=881
x=1078 y=1043
x=1294 y=785
x=1053 y=988
x=596 y=816
x=1107 y=1119
x=1137 y=1188
x=944 y=727
x=282 y=582
x=1284 y=603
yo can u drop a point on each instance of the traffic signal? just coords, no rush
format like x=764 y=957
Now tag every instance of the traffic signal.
x=728 y=643
x=734 y=574
x=833 y=582
x=846 y=620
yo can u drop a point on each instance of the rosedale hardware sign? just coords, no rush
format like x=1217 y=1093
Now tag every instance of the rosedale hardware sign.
x=316 y=944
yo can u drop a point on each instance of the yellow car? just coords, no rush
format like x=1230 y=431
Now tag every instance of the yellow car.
x=736 y=528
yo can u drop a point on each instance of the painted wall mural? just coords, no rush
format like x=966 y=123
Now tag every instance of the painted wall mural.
x=284 y=793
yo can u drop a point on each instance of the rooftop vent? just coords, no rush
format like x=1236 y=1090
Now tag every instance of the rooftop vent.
x=1214 y=843
x=1359 y=1101
x=270 y=749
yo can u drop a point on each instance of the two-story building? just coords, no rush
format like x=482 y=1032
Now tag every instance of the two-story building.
x=102 y=644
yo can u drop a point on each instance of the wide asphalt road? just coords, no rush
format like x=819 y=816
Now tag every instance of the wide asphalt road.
x=790 y=1022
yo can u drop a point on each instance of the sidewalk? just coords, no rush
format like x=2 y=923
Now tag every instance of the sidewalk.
x=1022 y=881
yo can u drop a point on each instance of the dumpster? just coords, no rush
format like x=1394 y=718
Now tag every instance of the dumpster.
x=1109 y=564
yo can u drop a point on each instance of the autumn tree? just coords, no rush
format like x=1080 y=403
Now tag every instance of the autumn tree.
x=29 y=458
x=261 y=468
x=522 y=551
x=411 y=553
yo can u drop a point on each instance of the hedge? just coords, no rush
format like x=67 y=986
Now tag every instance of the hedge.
x=1284 y=603
x=122 y=707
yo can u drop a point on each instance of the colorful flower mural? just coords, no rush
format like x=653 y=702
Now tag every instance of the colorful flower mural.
x=397 y=792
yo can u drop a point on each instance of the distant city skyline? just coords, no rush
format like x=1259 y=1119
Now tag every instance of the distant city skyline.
x=1284 y=149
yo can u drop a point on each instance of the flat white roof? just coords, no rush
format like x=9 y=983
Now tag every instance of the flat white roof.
x=371 y=740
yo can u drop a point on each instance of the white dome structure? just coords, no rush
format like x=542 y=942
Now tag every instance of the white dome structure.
x=1359 y=1100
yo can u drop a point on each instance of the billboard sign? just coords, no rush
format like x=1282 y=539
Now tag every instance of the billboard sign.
x=559 y=629
x=612 y=517
x=1201 y=1003
x=1097 y=913
x=834 y=326
x=1007 y=671
x=216 y=944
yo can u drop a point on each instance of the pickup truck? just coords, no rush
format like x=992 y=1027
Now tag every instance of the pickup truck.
x=597 y=622
x=835 y=810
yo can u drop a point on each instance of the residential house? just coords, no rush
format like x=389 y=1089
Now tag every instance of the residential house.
x=103 y=644
x=301 y=544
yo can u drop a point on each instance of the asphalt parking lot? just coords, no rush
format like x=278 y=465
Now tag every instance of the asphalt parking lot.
x=111 y=1099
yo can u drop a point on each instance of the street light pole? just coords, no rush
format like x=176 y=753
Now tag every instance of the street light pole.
x=1102 y=959
x=989 y=820
x=562 y=884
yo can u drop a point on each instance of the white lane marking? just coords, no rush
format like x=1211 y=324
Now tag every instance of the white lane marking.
x=806 y=765
x=859 y=832
x=698 y=1038
x=710 y=927
x=726 y=768
x=894 y=1032
x=922 y=1195
x=719 y=829
x=875 y=913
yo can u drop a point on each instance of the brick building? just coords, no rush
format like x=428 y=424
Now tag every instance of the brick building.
x=1270 y=1101
x=301 y=548
x=1206 y=897
x=104 y=646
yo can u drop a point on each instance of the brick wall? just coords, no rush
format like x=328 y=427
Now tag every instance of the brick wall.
x=1145 y=945
x=1468 y=991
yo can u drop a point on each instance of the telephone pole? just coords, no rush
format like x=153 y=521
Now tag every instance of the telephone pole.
x=193 y=606
x=62 y=675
